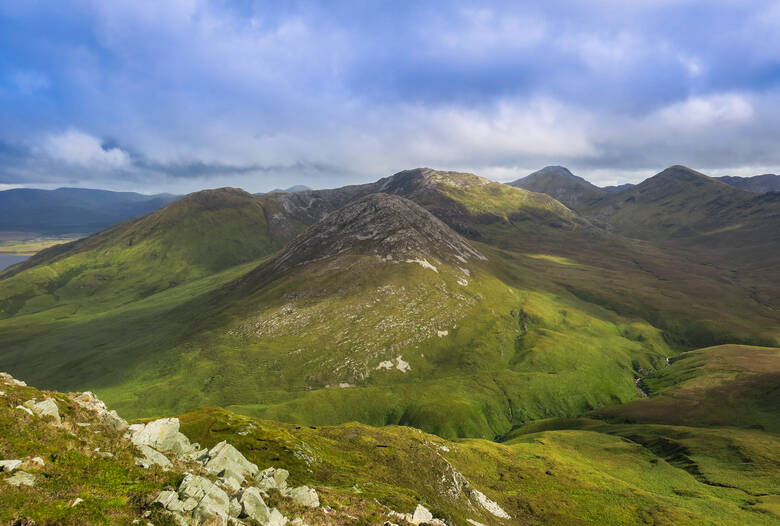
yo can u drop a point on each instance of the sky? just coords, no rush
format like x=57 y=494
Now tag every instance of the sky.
x=181 y=95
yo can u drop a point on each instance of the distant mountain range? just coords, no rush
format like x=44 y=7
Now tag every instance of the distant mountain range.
x=290 y=190
x=72 y=210
x=758 y=184
x=576 y=193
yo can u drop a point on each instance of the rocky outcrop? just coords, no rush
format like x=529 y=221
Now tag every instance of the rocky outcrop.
x=92 y=403
x=382 y=225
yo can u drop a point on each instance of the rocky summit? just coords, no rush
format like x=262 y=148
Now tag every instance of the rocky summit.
x=383 y=225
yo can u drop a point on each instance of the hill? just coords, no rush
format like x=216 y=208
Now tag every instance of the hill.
x=594 y=472
x=558 y=182
x=758 y=184
x=72 y=210
x=195 y=236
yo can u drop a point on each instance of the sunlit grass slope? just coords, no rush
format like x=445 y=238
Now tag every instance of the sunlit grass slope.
x=549 y=477
x=196 y=236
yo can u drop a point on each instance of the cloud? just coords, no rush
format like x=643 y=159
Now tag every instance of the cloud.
x=195 y=93
x=77 y=148
x=696 y=113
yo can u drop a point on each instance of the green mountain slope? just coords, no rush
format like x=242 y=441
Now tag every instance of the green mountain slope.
x=590 y=472
x=198 y=235
x=379 y=313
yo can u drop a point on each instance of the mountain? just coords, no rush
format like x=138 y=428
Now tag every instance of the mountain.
x=758 y=184
x=72 y=210
x=290 y=190
x=682 y=204
x=434 y=299
x=560 y=183
x=616 y=188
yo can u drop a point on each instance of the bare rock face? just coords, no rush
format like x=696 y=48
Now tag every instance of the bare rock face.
x=387 y=226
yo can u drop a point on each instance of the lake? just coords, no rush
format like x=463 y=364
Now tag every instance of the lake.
x=8 y=260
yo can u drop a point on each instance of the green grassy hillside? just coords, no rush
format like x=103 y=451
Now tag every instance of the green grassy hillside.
x=194 y=237
x=581 y=471
x=556 y=318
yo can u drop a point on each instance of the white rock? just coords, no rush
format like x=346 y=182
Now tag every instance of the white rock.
x=152 y=457
x=46 y=408
x=77 y=501
x=474 y=523
x=253 y=506
x=421 y=515
x=212 y=501
x=225 y=458
x=489 y=505
x=21 y=478
x=91 y=402
x=8 y=379
x=276 y=518
x=162 y=435
x=401 y=365
x=7 y=466
x=25 y=409
x=234 y=509
x=305 y=496
x=38 y=460
x=272 y=478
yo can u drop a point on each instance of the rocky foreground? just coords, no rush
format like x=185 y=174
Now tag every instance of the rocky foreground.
x=185 y=484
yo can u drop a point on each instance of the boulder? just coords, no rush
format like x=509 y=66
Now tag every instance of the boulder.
x=272 y=478
x=46 y=408
x=253 y=506
x=21 y=478
x=162 y=435
x=151 y=457
x=421 y=515
x=305 y=496
x=212 y=501
x=7 y=466
x=226 y=459
x=235 y=508
x=276 y=519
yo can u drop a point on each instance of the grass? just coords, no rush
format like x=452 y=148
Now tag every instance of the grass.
x=113 y=489
x=548 y=477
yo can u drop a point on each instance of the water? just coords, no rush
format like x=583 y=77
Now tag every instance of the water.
x=7 y=261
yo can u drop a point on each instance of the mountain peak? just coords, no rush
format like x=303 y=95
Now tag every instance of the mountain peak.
x=383 y=225
x=560 y=183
